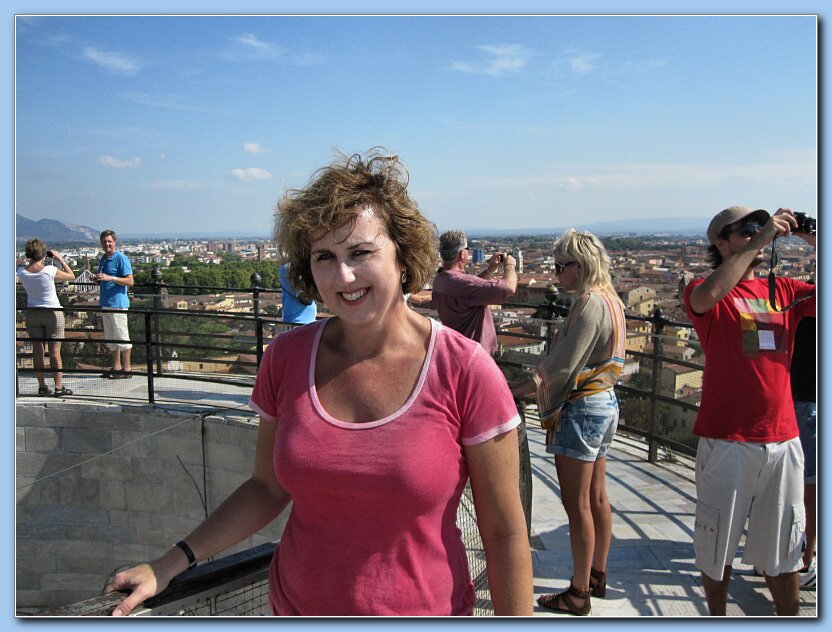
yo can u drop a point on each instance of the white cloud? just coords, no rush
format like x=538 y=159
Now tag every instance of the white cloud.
x=255 y=148
x=118 y=163
x=251 y=173
x=115 y=62
x=497 y=60
x=582 y=62
x=257 y=49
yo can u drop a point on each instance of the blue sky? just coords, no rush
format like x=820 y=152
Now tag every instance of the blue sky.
x=176 y=124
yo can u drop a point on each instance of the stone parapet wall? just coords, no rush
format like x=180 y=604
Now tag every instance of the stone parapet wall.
x=102 y=485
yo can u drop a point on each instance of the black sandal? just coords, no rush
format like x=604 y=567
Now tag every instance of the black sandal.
x=62 y=392
x=562 y=602
x=43 y=391
x=599 y=588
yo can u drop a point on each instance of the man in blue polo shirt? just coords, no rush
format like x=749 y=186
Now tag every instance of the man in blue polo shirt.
x=296 y=309
x=115 y=275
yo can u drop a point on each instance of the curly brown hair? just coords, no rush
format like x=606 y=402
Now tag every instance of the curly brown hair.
x=336 y=195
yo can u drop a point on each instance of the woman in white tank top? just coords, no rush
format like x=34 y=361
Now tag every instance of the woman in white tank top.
x=44 y=320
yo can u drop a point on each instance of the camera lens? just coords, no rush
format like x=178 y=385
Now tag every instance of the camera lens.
x=805 y=224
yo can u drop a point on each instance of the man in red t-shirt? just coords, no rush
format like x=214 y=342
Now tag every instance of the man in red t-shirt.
x=462 y=299
x=749 y=463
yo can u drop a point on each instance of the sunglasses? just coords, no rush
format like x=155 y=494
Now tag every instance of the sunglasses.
x=749 y=229
x=560 y=267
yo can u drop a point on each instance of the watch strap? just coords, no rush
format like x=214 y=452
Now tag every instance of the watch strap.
x=188 y=553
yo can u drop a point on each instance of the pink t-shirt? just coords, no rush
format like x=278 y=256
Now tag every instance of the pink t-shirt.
x=462 y=301
x=746 y=388
x=372 y=530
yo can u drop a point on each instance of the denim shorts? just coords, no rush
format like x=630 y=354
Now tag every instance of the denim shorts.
x=587 y=427
x=806 y=414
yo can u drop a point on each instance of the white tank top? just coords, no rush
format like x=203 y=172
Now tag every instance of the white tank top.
x=40 y=286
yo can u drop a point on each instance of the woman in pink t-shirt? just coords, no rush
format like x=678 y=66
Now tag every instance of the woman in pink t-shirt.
x=371 y=424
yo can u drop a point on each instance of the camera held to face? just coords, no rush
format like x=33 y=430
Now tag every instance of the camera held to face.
x=805 y=224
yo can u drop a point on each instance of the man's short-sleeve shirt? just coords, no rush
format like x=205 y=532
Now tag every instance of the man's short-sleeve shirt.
x=746 y=393
x=462 y=301
x=112 y=294
x=294 y=310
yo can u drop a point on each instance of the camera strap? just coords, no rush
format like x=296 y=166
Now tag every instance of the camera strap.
x=772 y=284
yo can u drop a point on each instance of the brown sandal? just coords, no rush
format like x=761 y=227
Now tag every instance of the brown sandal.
x=562 y=601
x=599 y=588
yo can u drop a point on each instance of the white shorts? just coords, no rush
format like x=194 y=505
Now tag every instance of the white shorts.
x=760 y=482
x=115 y=328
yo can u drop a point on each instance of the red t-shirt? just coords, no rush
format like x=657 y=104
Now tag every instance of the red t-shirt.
x=372 y=529
x=462 y=301
x=746 y=392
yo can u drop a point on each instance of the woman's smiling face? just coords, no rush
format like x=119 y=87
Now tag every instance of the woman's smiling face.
x=357 y=272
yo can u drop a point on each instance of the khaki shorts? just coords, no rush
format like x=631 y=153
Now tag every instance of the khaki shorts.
x=115 y=328
x=758 y=482
x=44 y=324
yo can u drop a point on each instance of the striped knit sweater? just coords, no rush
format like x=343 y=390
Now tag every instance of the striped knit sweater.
x=587 y=357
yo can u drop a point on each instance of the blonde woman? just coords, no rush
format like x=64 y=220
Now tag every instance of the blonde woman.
x=575 y=396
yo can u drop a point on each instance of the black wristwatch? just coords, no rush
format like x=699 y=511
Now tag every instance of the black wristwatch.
x=188 y=553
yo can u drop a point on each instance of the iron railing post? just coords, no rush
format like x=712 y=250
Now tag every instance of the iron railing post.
x=258 y=324
x=255 y=293
x=550 y=308
x=148 y=339
x=657 y=320
x=158 y=283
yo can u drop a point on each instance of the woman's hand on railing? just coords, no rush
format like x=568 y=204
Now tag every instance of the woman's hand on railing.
x=144 y=581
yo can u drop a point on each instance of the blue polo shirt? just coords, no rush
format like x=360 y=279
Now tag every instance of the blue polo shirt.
x=294 y=311
x=110 y=293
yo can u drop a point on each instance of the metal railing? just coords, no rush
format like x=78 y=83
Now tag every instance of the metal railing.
x=237 y=584
x=224 y=347
x=647 y=400
x=170 y=346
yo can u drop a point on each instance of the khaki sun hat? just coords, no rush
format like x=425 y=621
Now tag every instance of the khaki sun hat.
x=734 y=214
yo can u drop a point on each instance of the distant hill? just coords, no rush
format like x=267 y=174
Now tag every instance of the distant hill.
x=52 y=231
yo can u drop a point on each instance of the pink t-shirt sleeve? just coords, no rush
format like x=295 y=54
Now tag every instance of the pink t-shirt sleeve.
x=485 y=401
x=263 y=399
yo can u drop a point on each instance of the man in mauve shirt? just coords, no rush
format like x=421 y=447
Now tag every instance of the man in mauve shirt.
x=461 y=299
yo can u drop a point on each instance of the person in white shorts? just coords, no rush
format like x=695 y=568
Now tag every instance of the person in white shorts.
x=749 y=463
x=115 y=275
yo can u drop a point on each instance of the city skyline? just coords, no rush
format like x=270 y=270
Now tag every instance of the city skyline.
x=503 y=121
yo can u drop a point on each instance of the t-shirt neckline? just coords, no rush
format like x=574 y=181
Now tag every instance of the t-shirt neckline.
x=417 y=389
